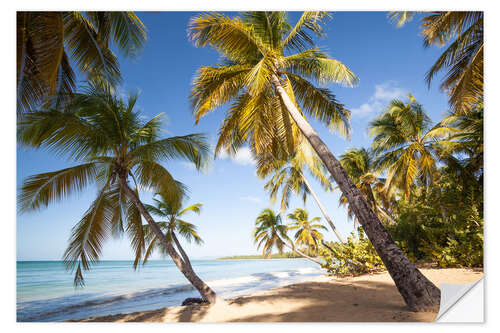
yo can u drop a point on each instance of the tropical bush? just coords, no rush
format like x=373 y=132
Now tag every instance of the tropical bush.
x=443 y=224
x=355 y=257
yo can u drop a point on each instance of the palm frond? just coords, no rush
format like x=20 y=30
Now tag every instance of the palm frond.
x=400 y=18
x=63 y=133
x=299 y=37
x=229 y=36
x=135 y=232
x=153 y=176
x=215 y=86
x=321 y=104
x=43 y=189
x=316 y=65
x=89 y=52
x=193 y=148
x=88 y=235
x=195 y=208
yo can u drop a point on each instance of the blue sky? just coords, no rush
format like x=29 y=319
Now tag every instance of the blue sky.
x=390 y=62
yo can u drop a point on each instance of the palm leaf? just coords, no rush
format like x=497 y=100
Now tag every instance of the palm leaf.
x=88 y=235
x=299 y=37
x=43 y=189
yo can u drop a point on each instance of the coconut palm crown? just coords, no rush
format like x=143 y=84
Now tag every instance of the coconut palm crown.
x=360 y=166
x=174 y=224
x=52 y=45
x=270 y=232
x=308 y=232
x=463 y=58
x=288 y=176
x=109 y=141
x=255 y=46
x=404 y=143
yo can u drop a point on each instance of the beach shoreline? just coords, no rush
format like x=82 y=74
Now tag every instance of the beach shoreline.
x=366 y=298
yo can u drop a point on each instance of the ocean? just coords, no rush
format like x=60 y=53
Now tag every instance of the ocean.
x=45 y=290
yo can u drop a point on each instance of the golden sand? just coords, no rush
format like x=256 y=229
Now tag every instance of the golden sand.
x=367 y=298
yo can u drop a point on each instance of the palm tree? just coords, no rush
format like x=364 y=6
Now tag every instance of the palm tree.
x=48 y=43
x=360 y=167
x=466 y=139
x=308 y=232
x=174 y=225
x=289 y=177
x=405 y=144
x=270 y=233
x=266 y=71
x=463 y=58
x=112 y=145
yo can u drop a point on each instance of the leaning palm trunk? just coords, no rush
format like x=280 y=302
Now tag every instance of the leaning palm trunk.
x=300 y=253
x=339 y=236
x=205 y=291
x=419 y=293
x=181 y=250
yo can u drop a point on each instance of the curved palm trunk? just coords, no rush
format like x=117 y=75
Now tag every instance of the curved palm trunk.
x=205 y=291
x=302 y=254
x=337 y=233
x=181 y=250
x=419 y=293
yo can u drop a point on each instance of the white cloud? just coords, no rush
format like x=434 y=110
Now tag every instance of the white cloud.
x=384 y=93
x=243 y=156
x=252 y=199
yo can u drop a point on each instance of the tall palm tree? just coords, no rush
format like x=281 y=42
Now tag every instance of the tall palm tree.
x=48 y=43
x=112 y=145
x=360 y=167
x=270 y=233
x=266 y=72
x=173 y=212
x=289 y=177
x=308 y=232
x=405 y=144
x=463 y=57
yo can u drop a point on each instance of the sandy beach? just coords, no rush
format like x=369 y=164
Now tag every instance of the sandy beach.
x=367 y=298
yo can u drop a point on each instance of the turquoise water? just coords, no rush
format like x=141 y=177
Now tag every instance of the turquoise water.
x=45 y=289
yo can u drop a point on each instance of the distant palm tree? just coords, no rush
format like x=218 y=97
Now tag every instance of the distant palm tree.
x=463 y=57
x=289 y=177
x=308 y=234
x=48 y=43
x=270 y=233
x=266 y=72
x=466 y=140
x=360 y=166
x=112 y=145
x=172 y=211
x=405 y=144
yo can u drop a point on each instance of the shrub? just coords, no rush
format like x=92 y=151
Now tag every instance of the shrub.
x=356 y=257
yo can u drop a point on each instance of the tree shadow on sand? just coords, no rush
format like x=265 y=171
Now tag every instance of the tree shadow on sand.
x=360 y=301
x=346 y=301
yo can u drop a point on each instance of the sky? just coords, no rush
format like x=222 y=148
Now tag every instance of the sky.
x=390 y=63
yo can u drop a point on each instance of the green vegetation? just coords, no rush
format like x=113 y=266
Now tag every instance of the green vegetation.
x=113 y=146
x=419 y=186
x=268 y=74
x=435 y=177
x=270 y=233
x=463 y=57
x=307 y=234
x=357 y=256
x=173 y=212
x=49 y=43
